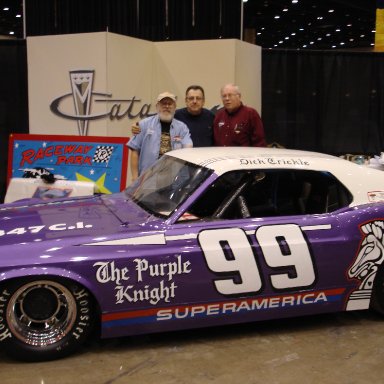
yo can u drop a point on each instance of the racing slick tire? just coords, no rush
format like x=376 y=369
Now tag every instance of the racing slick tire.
x=377 y=300
x=44 y=318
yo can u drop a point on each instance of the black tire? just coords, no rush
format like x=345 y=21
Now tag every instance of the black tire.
x=377 y=300
x=44 y=318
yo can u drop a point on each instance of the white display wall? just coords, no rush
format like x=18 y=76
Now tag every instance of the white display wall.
x=119 y=77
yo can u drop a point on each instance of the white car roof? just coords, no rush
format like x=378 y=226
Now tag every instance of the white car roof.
x=363 y=182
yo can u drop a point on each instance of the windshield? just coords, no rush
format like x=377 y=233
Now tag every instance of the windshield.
x=166 y=185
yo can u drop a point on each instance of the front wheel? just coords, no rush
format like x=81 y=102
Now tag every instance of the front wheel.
x=44 y=319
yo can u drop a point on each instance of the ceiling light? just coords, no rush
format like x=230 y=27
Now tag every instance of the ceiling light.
x=358 y=21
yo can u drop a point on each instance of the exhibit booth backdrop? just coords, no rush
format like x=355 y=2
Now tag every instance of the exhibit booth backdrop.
x=99 y=84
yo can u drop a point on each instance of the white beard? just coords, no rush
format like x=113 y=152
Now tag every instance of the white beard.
x=166 y=116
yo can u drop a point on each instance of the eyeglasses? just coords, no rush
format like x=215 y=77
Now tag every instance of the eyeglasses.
x=229 y=95
x=192 y=98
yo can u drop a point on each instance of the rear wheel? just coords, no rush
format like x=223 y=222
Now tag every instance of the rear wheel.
x=377 y=301
x=44 y=319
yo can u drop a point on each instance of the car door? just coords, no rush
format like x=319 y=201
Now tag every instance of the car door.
x=252 y=269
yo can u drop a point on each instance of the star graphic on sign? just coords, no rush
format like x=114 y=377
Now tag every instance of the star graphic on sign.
x=100 y=188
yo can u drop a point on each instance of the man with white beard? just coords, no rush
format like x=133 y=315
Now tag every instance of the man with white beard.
x=159 y=134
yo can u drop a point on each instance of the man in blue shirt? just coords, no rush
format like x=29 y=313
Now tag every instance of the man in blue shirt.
x=158 y=134
x=198 y=119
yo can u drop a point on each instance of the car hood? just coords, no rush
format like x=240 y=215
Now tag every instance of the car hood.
x=36 y=220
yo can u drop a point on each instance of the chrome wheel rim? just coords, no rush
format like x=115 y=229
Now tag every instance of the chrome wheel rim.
x=41 y=313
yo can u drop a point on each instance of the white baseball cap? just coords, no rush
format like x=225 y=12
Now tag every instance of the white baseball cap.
x=166 y=95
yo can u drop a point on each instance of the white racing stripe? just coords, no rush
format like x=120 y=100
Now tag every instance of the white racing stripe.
x=160 y=239
x=316 y=227
x=141 y=240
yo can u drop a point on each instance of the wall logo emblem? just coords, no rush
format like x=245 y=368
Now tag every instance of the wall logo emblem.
x=83 y=96
x=82 y=84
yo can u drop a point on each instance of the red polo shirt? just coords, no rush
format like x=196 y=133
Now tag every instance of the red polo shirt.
x=240 y=128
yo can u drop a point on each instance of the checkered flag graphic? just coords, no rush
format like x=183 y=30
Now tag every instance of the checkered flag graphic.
x=103 y=154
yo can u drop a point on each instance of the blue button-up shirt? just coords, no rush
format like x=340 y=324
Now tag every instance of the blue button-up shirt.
x=147 y=142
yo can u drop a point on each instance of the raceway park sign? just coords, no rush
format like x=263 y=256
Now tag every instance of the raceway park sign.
x=102 y=160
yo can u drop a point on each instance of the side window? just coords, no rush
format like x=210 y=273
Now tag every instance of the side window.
x=325 y=193
x=267 y=193
x=296 y=192
x=217 y=196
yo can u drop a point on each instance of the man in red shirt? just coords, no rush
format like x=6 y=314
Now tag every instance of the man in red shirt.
x=236 y=124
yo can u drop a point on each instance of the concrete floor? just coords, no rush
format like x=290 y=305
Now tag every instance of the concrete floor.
x=335 y=348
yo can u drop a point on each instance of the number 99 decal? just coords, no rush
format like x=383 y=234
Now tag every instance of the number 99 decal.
x=229 y=253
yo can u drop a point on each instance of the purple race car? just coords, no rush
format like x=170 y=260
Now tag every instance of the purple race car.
x=207 y=236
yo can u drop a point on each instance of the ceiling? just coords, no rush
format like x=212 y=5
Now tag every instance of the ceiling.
x=311 y=24
x=11 y=19
x=274 y=24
